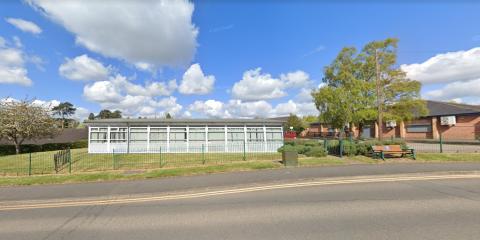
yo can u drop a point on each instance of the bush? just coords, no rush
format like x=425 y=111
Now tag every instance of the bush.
x=316 y=152
x=26 y=148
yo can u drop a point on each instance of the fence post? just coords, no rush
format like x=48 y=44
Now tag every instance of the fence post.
x=113 y=159
x=244 y=151
x=69 y=161
x=341 y=147
x=30 y=164
x=203 y=153
x=325 y=145
x=441 y=142
x=161 y=164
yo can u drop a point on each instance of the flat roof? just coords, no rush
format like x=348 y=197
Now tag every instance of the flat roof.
x=173 y=121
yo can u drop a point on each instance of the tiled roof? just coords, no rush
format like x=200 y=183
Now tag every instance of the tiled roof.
x=437 y=108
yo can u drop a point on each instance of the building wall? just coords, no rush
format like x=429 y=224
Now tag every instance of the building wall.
x=184 y=138
x=467 y=127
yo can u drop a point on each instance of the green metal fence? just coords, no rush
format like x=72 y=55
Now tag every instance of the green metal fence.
x=79 y=160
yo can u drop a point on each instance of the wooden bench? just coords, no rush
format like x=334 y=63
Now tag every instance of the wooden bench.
x=381 y=151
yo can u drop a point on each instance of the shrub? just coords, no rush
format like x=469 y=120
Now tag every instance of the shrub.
x=316 y=152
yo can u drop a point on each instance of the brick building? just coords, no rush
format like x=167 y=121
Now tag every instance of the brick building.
x=453 y=121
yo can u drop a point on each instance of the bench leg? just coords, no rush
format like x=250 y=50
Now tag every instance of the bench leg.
x=414 y=155
x=382 y=155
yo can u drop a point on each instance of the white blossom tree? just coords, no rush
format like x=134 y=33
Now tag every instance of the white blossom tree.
x=25 y=120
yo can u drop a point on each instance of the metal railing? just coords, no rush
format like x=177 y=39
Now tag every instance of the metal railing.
x=79 y=160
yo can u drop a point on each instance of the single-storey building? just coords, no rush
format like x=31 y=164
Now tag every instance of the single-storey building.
x=453 y=121
x=184 y=135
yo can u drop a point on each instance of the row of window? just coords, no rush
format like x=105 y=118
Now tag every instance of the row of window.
x=195 y=134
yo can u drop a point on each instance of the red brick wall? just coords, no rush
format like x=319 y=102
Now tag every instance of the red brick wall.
x=467 y=127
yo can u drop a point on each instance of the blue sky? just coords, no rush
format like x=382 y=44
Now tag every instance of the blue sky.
x=223 y=59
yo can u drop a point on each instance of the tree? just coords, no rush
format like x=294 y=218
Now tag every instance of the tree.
x=116 y=114
x=295 y=122
x=362 y=87
x=168 y=116
x=105 y=114
x=91 y=116
x=64 y=110
x=310 y=119
x=24 y=120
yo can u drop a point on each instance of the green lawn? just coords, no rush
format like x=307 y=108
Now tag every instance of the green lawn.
x=125 y=175
x=42 y=162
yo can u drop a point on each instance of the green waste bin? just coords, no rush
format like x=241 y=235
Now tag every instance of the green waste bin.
x=290 y=158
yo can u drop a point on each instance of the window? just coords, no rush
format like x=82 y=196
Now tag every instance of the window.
x=274 y=134
x=138 y=135
x=255 y=134
x=98 y=135
x=178 y=134
x=235 y=134
x=118 y=135
x=158 y=135
x=216 y=134
x=197 y=134
x=419 y=128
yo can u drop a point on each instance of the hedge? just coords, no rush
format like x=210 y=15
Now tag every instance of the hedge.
x=26 y=148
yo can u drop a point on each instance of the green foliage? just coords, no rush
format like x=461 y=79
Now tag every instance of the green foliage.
x=64 y=110
x=350 y=94
x=91 y=116
x=105 y=114
x=317 y=151
x=295 y=122
x=168 y=116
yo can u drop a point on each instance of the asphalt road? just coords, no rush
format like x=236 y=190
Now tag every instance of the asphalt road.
x=166 y=185
x=427 y=209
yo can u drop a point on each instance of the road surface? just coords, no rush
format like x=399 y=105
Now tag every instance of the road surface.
x=407 y=209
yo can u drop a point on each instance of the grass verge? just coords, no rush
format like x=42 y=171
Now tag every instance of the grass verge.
x=228 y=167
x=125 y=175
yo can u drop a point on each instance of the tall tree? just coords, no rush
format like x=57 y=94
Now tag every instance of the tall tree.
x=64 y=110
x=24 y=120
x=168 y=116
x=397 y=97
x=362 y=87
x=295 y=122
x=91 y=116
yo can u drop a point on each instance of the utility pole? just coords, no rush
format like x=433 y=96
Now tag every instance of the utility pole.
x=379 y=97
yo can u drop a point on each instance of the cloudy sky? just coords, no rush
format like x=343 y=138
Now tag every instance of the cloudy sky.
x=222 y=59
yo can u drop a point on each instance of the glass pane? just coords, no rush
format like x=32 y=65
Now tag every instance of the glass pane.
x=158 y=136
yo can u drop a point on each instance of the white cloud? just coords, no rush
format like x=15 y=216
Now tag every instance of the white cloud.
x=156 y=32
x=150 y=89
x=258 y=86
x=102 y=92
x=296 y=79
x=210 y=108
x=12 y=65
x=134 y=99
x=84 y=68
x=24 y=25
x=446 y=67
x=241 y=109
x=456 y=90
x=195 y=82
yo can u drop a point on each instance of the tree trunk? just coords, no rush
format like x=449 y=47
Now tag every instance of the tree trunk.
x=17 y=148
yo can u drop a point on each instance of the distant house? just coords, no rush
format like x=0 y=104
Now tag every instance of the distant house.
x=450 y=120
x=184 y=135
